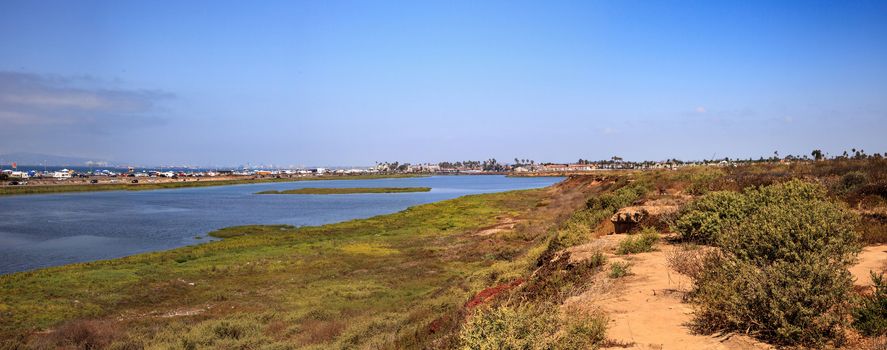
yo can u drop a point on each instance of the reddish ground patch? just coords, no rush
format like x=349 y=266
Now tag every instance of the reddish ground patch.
x=490 y=293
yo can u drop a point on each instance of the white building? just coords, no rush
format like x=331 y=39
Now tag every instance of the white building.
x=61 y=175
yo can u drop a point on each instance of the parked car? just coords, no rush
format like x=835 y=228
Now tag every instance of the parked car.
x=135 y=181
x=93 y=181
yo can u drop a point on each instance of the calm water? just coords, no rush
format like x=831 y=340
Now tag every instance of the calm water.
x=47 y=230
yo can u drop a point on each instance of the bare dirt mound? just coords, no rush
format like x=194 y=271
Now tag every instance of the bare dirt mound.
x=646 y=309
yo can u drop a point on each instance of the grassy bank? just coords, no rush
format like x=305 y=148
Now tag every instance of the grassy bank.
x=349 y=190
x=62 y=188
x=381 y=282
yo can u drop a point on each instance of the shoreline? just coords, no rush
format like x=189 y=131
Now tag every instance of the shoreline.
x=210 y=264
x=159 y=184
x=321 y=191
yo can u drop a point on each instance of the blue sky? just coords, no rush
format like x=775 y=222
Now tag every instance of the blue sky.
x=347 y=83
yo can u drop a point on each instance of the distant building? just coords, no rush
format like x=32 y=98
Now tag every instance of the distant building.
x=61 y=175
x=429 y=168
x=555 y=167
x=581 y=167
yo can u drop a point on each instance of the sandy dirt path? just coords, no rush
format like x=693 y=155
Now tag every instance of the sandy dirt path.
x=646 y=309
x=872 y=258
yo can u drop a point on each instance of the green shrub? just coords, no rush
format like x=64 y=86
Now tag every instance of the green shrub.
x=706 y=218
x=576 y=230
x=781 y=273
x=873 y=230
x=785 y=303
x=581 y=331
x=531 y=326
x=789 y=192
x=556 y=280
x=703 y=180
x=228 y=330
x=236 y=332
x=794 y=233
x=617 y=199
x=850 y=181
x=620 y=269
x=703 y=220
x=870 y=317
x=640 y=243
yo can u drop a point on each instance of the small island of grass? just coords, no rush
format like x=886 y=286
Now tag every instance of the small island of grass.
x=349 y=190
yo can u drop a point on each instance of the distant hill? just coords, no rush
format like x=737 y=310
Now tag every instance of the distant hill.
x=25 y=158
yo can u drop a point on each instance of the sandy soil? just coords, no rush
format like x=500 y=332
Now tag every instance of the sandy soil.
x=646 y=308
x=872 y=258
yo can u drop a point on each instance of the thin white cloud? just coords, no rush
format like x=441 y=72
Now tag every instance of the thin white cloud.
x=35 y=100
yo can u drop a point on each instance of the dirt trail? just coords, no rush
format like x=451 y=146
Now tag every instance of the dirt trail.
x=646 y=309
x=504 y=224
x=872 y=258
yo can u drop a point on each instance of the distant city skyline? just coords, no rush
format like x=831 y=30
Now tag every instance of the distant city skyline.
x=352 y=83
x=28 y=160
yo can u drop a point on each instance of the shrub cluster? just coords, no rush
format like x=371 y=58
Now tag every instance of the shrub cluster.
x=622 y=197
x=850 y=181
x=704 y=220
x=619 y=269
x=640 y=243
x=686 y=259
x=530 y=316
x=873 y=229
x=703 y=180
x=870 y=317
x=532 y=326
x=781 y=270
x=577 y=229
x=530 y=319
